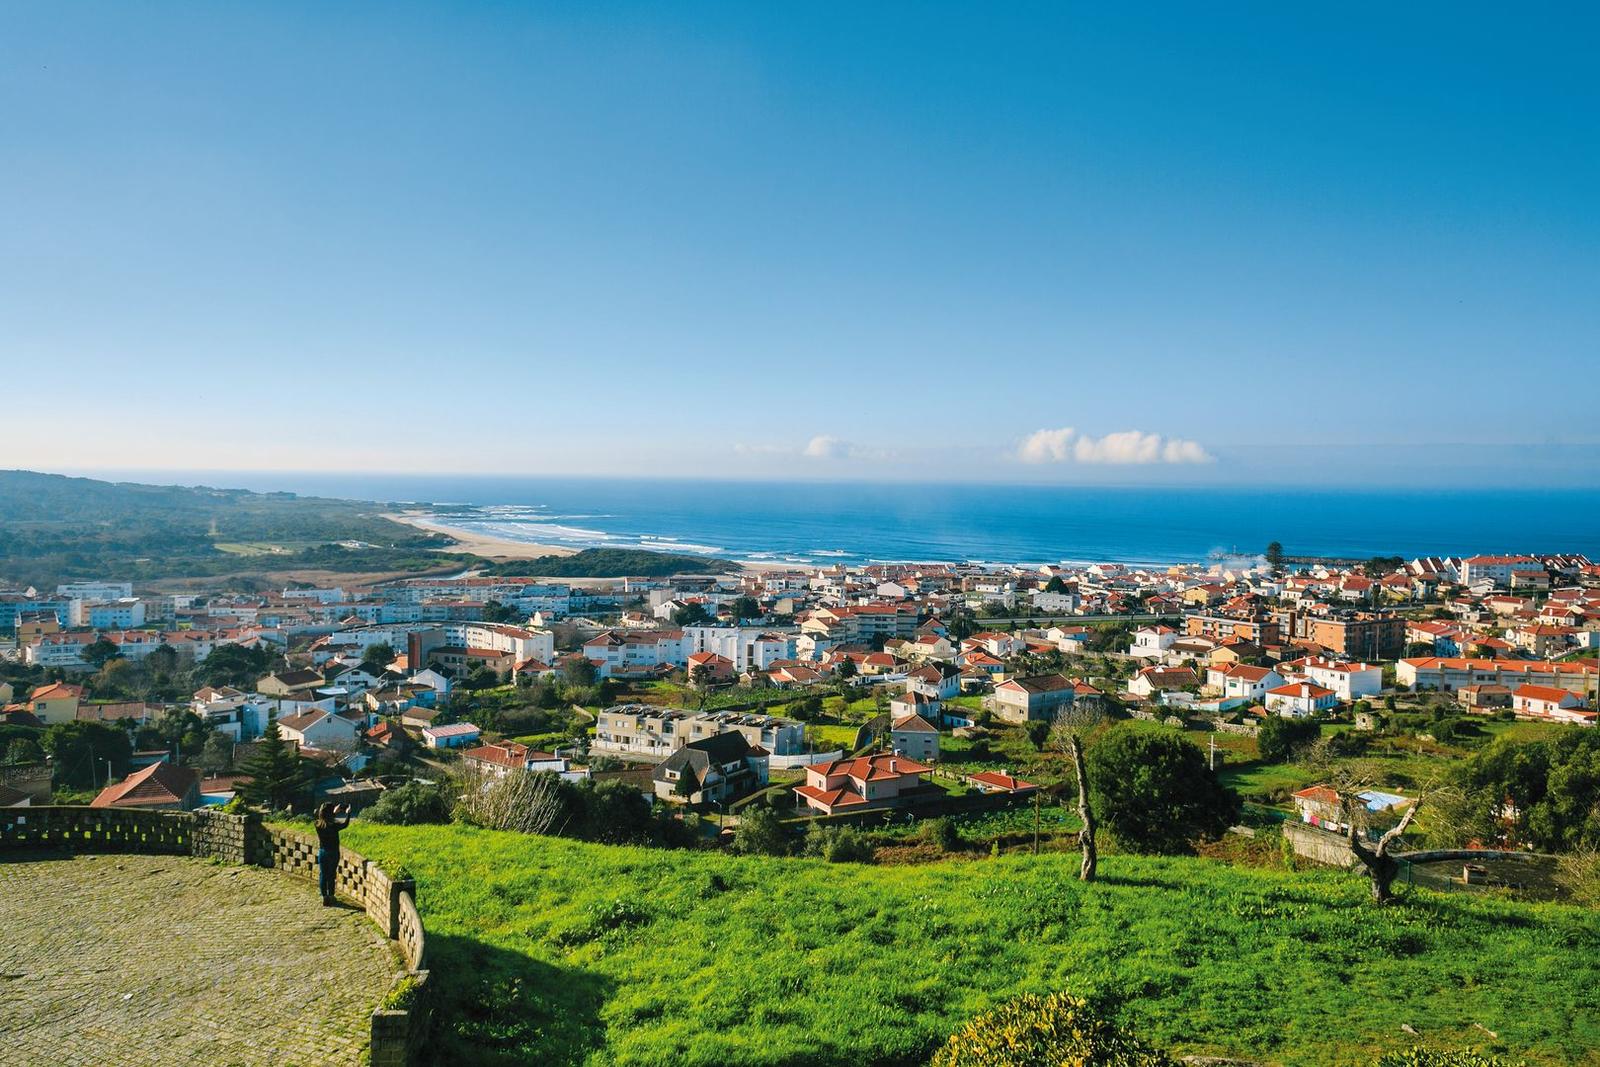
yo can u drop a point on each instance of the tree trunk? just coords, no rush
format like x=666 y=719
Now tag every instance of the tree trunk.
x=1085 y=813
x=1382 y=868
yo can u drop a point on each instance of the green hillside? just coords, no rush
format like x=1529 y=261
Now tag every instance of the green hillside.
x=553 y=951
x=54 y=529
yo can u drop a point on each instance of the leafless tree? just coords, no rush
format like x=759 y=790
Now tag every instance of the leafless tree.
x=527 y=801
x=1349 y=779
x=1066 y=736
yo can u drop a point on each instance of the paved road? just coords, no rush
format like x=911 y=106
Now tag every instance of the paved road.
x=166 y=960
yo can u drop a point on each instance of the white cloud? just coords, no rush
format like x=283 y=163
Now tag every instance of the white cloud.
x=823 y=446
x=1124 y=447
x=1046 y=446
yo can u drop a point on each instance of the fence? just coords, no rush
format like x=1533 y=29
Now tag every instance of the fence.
x=397 y=1032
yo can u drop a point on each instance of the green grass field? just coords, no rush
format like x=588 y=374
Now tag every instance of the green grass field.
x=552 y=951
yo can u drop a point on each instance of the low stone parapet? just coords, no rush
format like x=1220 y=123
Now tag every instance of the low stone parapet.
x=398 y=1026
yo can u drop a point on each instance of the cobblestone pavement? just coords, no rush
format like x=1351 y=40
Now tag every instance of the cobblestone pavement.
x=168 y=960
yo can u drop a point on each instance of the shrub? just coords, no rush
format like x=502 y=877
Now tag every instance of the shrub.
x=1437 y=1057
x=1059 y=1030
x=761 y=833
x=1279 y=737
x=941 y=832
x=1155 y=792
x=411 y=804
x=839 y=844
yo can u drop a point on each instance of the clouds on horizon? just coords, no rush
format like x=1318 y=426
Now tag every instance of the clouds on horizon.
x=1066 y=445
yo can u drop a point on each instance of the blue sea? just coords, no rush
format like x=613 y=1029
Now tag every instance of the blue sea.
x=814 y=523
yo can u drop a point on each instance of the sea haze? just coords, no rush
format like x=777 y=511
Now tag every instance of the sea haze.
x=818 y=523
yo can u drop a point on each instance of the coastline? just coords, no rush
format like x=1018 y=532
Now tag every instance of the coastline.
x=498 y=548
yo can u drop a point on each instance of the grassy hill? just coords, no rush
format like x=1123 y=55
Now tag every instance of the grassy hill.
x=54 y=529
x=554 y=951
x=611 y=563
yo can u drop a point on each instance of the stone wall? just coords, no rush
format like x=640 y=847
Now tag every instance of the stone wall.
x=30 y=778
x=397 y=1031
x=1315 y=843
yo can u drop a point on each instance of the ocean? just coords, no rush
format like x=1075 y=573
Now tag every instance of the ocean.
x=811 y=523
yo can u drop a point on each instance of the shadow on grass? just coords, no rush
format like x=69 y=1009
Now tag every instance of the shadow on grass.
x=496 y=1007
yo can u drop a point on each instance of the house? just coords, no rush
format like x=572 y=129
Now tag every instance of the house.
x=1300 y=699
x=505 y=756
x=1152 y=642
x=1320 y=805
x=708 y=668
x=654 y=733
x=1242 y=681
x=1548 y=702
x=289 y=683
x=712 y=770
x=939 y=681
x=1152 y=680
x=455 y=735
x=1485 y=698
x=319 y=728
x=1000 y=782
x=912 y=735
x=1351 y=681
x=14 y=798
x=160 y=786
x=1038 y=697
x=995 y=644
x=861 y=784
x=903 y=704
x=419 y=717
x=635 y=653
x=56 y=702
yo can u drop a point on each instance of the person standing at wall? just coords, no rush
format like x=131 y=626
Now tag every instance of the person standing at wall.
x=328 y=826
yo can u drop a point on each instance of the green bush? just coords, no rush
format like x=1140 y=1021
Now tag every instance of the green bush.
x=412 y=804
x=1436 y=1057
x=942 y=832
x=1059 y=1030
x=839 y=844
x=761 y=833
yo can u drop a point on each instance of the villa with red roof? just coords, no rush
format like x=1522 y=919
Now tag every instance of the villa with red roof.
x=160 y=787
x=1300 y=699
x=860 y=784
x=1000 y=782
x=1548 y=702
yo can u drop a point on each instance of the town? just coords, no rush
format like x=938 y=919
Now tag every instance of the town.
x=855 y=688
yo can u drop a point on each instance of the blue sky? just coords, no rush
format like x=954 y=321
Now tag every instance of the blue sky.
x=1053 y=243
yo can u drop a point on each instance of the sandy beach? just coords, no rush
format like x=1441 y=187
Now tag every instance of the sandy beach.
x=478 y=544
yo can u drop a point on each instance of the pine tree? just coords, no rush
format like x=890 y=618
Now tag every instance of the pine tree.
x=279 y=776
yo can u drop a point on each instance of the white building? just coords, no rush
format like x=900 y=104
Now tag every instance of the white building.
x=1300 y=699
x=750 y=648
x=1152 y=642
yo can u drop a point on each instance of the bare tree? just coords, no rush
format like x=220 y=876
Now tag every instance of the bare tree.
x=1349 y=780
x=1066 y=736
x=527 y=801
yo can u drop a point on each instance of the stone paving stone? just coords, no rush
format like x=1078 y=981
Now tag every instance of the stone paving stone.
x=168 y=960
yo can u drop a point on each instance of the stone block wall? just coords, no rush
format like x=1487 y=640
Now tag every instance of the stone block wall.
x=1315 y=843
x=96 y=829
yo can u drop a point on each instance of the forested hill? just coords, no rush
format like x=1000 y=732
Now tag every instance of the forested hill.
x=54 y=528
x=612 y=563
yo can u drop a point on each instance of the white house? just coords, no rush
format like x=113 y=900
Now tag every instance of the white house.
x=1243 y=680
x=1351 y=681
x=455 y=735
x=1300 y=699
x=1151 y=642
x=1548 y=702
x=319 y=728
